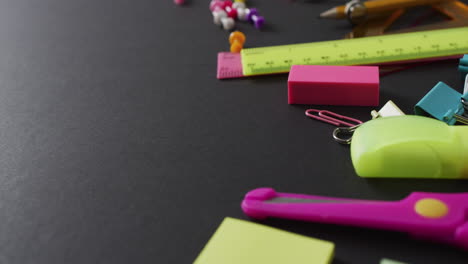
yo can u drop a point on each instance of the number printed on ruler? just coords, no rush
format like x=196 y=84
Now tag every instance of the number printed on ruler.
x=359 y=51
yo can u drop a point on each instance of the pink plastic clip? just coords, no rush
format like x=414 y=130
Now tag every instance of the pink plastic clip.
x=332 y=118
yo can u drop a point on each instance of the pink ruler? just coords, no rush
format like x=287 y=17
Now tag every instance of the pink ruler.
x=229 y=65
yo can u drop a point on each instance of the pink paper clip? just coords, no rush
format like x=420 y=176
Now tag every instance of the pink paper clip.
x=438 y=217
x=332 y=118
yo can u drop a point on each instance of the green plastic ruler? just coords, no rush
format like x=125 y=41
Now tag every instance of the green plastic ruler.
x=359 y=51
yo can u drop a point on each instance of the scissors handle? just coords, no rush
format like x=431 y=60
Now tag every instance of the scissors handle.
x=432 y=216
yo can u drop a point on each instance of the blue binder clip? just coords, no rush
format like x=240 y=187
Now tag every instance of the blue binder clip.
x=445 y=104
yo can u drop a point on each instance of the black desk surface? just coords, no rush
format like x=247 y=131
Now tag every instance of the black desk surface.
x=119 y=145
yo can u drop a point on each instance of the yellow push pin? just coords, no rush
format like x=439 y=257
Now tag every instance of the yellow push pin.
x=237 y=40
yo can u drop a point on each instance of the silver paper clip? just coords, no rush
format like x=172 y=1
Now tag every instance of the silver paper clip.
x=343 y=135
x=348 y=131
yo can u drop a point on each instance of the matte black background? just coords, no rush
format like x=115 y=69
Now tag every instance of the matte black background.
x=119 y=145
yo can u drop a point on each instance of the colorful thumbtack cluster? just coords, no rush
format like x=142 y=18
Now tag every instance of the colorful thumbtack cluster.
x=225 y=13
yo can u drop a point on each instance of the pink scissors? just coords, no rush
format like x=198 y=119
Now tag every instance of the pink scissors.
x=438 y=217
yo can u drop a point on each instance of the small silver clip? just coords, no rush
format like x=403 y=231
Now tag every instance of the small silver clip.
x=337 y=132
x=463 y=118
x=389 y=109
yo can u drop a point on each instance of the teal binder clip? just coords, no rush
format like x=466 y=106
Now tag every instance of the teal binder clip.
x=463 y=70
x=464 y=60
x=445 y=104
x=463 y=66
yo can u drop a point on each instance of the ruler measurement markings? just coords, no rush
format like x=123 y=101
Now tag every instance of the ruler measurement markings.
x=385 y=49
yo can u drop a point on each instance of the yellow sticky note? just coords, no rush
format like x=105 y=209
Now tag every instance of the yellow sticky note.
x=242 y=242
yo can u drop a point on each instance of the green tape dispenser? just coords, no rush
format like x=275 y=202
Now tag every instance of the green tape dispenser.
x=408 y=147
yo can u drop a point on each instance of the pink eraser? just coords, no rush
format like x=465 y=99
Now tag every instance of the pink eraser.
x=333 y=85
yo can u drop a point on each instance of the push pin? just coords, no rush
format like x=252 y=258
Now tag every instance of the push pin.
x=444 y=104
x=242 y=13
x=228 y=23
x=237 y=40
x=241 y=10
x=218 y=15
x=216 y=5
x=238 y=5
x=255 y=18
x=227 y=3
x=231 y=12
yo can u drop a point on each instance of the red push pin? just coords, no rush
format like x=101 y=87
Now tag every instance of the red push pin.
x=231 y=12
